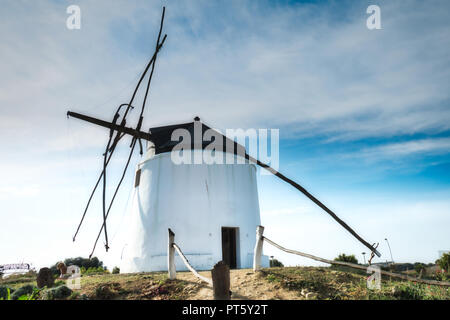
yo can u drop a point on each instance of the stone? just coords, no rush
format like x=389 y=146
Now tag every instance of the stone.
x=45 y=278
x=62 y=268
x=311 y=295
x=57 y=293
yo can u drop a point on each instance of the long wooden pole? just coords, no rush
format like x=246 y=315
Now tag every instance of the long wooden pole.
x=171 y=256
x=357 y=266
x=258 y=248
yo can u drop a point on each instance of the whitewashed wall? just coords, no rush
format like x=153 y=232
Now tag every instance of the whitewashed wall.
x=195 y=201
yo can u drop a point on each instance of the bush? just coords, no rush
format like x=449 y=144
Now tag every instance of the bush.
x=79 y=261
x=4 y=292
x=104 y=292
x=93 y=270
x=60 y=292
x=419 y=267
x=444 y=262
x=116 y=270
x=409 y=292
x=25 y=290
x=347 y=258
x=276 y=263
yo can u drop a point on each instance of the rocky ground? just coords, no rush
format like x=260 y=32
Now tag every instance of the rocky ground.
x=289 y=283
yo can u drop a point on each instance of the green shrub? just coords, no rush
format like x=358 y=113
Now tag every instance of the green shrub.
x=116 y=270
x=347 y=258
x=59 y=283
x=419 y=267
x=409 y=292
x=444 y=262
x=22 y=291
x=5 y=292
x=85 y=263
x=60 y=292
x=276 y=263
x=104 y=292
x=98 y=270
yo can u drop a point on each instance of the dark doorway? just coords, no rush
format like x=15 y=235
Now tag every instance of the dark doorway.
x=229 y=246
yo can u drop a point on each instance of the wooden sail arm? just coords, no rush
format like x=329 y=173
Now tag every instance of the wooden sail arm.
x=121 y=129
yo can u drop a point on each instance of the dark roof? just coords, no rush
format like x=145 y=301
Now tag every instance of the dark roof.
x=162 y=138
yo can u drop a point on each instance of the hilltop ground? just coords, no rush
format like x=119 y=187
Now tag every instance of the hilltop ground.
x=288 y=283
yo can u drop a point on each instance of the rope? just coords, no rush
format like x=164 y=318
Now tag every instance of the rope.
x=188 y=265
x=315 y=200
x=112 y=143
x=356 y=266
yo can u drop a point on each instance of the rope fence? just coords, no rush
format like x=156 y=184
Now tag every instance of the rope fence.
x=188 y=265
x=172 y=247
x=261 y=238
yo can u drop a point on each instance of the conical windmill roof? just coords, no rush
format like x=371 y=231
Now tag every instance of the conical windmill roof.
x=162 y=138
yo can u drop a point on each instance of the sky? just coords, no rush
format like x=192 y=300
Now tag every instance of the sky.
x=363 y=116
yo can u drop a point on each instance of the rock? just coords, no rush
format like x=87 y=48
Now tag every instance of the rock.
x=62 y=268
x=4 y=292
x=60 y=292
x=24 y=290
x=104 y=292
x=45 y=278
x=304 y=292
x=311 y=295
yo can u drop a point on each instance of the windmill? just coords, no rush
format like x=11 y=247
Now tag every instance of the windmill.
x=209 y=206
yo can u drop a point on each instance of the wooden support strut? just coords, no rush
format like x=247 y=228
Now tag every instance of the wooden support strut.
x=171 y=256
x=258 y=248
x=221 y=281
x=120 y=129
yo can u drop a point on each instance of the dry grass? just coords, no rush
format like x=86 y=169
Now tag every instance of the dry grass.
x=288 y=283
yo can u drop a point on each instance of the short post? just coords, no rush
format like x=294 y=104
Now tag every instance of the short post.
x=258 y=248
x=171 y=256
x=221 y=281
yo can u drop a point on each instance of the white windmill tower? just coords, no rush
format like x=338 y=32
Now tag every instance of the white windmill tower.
x=213 y=208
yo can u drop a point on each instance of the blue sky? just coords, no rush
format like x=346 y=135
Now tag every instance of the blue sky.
x=364 y=115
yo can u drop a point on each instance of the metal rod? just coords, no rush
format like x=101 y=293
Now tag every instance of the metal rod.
x=392 y=259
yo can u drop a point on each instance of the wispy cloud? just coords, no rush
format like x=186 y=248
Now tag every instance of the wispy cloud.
x=399 y=150
x=297 y=68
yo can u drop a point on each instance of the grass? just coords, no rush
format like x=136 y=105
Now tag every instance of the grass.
x=138 y=286
x=323 y=283
x=332 y=284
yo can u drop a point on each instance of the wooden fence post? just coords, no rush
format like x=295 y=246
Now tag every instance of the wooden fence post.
x=221 y=281
x=171 y=256
x=258 y=248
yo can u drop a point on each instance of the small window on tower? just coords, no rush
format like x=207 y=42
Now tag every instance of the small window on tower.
x=138 y=178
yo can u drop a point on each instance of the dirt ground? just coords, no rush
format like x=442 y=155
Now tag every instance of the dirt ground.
x=245 y=284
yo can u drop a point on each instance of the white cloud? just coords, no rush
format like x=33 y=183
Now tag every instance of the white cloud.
x=428 y=146
x=402 y=150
